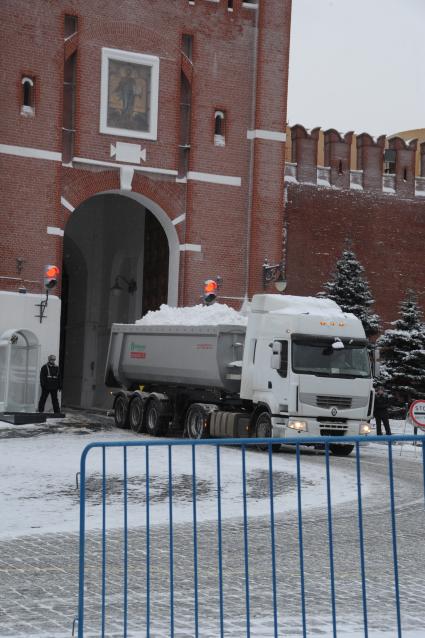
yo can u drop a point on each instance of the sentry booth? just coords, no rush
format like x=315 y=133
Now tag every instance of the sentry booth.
x=19 y=367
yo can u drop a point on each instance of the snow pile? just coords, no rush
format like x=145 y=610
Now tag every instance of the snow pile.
x=193 y=316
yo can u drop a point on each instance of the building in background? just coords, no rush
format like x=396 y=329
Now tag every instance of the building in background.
x=142 y=151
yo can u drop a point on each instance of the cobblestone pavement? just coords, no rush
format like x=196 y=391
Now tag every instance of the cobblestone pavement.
x=39 y=574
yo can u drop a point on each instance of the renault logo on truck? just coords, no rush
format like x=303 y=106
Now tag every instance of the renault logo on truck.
x=334 y=411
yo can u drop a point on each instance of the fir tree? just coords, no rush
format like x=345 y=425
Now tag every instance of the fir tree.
x=350 y=290
x=403 y=353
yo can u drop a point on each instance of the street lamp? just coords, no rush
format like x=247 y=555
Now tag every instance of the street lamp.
x=117 y=288
x=273 y=274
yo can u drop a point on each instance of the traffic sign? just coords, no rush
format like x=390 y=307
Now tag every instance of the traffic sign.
x=417 y=413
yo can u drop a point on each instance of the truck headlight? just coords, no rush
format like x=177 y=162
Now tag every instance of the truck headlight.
x=365 y=428
x=300 y=426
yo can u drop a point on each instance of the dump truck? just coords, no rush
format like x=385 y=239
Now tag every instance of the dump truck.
x=300 y=366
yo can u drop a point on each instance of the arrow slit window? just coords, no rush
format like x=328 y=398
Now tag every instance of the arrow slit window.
x=27 y=106
x=219 y=128
x=129 y=94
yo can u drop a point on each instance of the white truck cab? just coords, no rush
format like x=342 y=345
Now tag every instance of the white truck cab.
x=307 y=361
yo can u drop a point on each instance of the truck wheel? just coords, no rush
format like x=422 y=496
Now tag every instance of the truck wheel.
x=196 y=422
x=135 y=414
x=263 y=430
x=339 y=449
x=156 y=420
x=121 y=412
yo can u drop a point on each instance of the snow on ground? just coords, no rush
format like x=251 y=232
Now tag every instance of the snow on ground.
x=38 y=492
x=193 y=316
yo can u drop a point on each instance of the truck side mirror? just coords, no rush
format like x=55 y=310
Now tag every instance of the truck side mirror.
x=275 y=361
x=276 y=355
x=375 y=367
x=277 y=347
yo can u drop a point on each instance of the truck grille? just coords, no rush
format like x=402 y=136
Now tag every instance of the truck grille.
x=325 y=401
x=332 y=430
x=332 y=427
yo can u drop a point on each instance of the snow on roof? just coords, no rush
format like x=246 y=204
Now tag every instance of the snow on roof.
x=295 y=305
x=199 y=315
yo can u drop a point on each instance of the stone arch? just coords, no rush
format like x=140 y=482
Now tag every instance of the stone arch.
x=117 y=270
x=80 y=186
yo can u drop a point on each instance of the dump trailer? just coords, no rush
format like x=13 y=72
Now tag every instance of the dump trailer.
x=300 y=366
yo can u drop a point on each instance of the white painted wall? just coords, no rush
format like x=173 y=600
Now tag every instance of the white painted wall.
x=18 y=312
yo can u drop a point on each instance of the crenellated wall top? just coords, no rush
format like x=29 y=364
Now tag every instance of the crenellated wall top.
x=392 y=165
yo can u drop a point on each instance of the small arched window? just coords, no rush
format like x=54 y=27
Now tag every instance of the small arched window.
x=219 y=128
x=405 y=174
x=27 y=100
x=340 y=171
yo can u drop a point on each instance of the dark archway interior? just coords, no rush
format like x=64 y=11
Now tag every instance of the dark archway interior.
x=115 y=269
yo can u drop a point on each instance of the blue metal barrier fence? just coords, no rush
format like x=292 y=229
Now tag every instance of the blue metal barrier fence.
x=216 y=538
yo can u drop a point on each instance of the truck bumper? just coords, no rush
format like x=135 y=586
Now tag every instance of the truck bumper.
x=314 y=428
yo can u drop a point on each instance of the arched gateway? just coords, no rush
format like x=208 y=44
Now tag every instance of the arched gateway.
x=120 y=260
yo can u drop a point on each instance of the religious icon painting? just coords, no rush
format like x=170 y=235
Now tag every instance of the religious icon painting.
x=129 y=94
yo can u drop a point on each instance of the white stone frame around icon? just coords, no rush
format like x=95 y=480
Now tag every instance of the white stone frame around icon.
x=134 y=58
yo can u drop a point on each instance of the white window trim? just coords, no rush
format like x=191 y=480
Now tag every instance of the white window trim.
x=135 y=58
x=219 y=140
x=27 y=110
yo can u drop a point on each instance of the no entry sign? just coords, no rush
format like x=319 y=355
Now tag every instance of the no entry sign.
x=417 y=413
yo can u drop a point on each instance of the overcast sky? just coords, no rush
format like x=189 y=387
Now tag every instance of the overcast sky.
x=358 y=65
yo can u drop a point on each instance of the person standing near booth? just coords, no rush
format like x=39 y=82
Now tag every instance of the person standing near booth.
x=50 y=382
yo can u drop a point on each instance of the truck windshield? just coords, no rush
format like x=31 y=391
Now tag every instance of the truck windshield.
x=319 y=358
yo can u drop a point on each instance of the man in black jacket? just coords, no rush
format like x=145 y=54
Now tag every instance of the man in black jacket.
x=50 y=384
x=380 y=411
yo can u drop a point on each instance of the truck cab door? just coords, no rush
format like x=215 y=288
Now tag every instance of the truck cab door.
x=271 y=369
x=279 y=382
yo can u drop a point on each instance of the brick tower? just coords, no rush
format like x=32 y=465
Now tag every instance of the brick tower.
x=142 y=152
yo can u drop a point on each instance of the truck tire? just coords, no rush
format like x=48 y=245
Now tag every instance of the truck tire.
x=121 y=412
x=339 y=449
x=196 y=422
x=156 y=417
x=135 y=414
x=263 y=430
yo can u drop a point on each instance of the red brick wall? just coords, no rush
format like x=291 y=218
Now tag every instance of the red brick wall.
x=386 y=233
x=29 y=203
